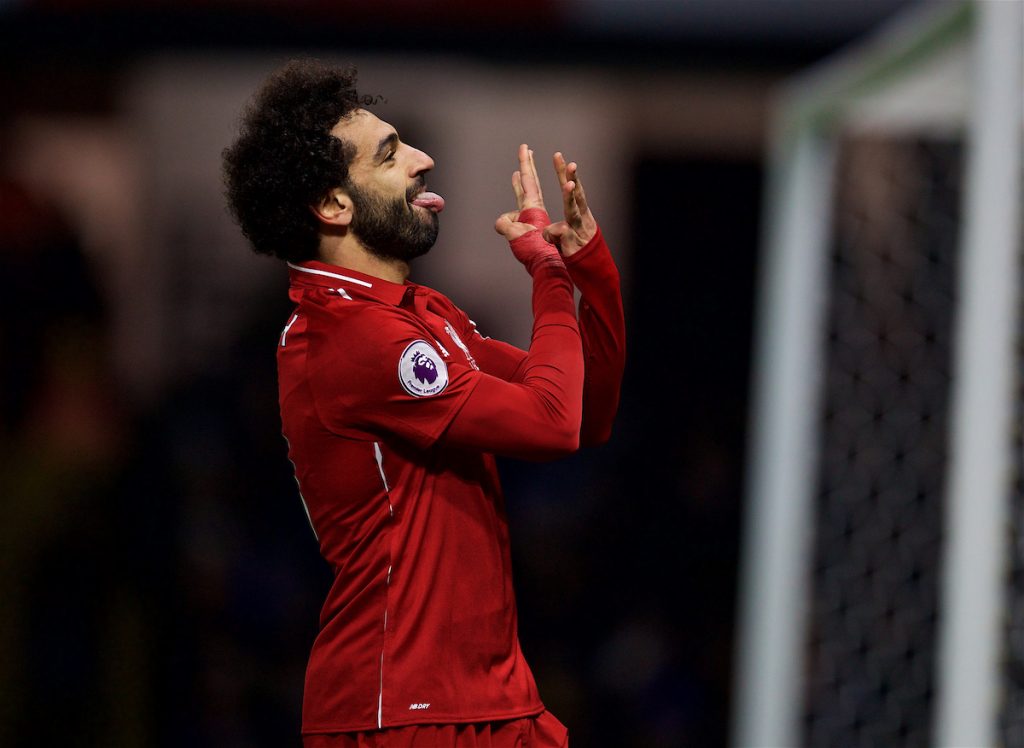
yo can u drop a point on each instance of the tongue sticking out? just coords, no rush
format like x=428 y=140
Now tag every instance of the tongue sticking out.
x=430 y=201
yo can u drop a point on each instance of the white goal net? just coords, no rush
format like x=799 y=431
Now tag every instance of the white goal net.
x=883 y=581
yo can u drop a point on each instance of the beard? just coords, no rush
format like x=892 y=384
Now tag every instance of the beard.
x=392 y=229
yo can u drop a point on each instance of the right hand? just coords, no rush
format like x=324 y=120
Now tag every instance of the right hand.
x=530 y=214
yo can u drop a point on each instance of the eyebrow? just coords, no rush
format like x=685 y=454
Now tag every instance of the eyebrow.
x=388 y=141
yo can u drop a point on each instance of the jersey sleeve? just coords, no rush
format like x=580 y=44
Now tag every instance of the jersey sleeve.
x=495 y=357
x=537 y=416
x=603 y=330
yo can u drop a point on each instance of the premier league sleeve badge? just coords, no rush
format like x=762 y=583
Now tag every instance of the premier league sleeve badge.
x=421 y=370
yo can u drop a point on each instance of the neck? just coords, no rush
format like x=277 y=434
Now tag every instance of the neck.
x=347 y=252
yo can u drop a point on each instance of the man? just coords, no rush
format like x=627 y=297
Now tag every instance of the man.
x=394 y=406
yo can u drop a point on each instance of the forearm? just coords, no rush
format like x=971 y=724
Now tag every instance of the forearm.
x=603 y=332
x=539 y=416
x=554 y=366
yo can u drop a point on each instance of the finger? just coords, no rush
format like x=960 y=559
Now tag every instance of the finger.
x=524 y=165
x=532 y=196
x=572 y=214
x=506 y=218
x=524 y=157
x=554 y=232
x=559 y=161
x=568 y=202
x=536 y=177
x=579 y=194
x=533 y=166
x=517 y=188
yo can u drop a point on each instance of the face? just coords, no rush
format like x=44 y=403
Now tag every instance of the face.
x=385 y=178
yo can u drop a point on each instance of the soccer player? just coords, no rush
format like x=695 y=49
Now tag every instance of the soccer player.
x=394 y=405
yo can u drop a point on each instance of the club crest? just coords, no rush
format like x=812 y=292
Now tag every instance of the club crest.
x=421 y=370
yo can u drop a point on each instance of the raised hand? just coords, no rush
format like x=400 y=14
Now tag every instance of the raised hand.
x=530 y=213
x=579 y=225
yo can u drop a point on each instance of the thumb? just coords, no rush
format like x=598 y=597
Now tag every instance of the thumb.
x=504 y=222
x=554 y=232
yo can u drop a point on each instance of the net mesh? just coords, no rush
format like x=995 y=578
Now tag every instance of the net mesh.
x=881 y=469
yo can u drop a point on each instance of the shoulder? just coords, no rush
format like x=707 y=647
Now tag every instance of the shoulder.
x=448 y=309
x=337 y=312
x=355 y=332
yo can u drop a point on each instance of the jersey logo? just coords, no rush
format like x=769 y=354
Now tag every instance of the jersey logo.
x=458 y=341
x=421 y=370
x=419 y=706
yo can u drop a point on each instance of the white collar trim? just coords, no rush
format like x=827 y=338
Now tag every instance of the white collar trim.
x=314 y=271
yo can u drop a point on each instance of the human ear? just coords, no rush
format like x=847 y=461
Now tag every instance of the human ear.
x=334 y=208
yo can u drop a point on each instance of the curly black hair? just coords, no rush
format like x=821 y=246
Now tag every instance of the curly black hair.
x=285 y=159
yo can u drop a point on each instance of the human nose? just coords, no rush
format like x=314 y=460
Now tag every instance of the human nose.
x=421 y=162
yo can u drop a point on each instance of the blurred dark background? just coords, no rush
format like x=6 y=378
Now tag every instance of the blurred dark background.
x=160 y=584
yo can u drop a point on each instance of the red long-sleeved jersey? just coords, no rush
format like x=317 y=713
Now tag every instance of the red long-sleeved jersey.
x=393 y=406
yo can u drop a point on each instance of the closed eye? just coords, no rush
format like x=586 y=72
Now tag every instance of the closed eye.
x=387 y=145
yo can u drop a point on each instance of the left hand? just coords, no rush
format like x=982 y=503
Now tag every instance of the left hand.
x=579 y=226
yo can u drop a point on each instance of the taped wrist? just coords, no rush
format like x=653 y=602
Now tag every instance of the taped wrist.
x=536 y=217
x=531 y=250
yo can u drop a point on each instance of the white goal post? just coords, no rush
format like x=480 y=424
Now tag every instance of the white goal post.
x=955 y=69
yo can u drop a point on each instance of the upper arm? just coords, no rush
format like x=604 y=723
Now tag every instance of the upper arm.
x=378 y=372
x=494 y=357
x=516 y=420
x=374 y=370
x=498 y=358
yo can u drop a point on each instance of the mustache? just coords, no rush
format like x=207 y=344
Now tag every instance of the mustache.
x=418 y=186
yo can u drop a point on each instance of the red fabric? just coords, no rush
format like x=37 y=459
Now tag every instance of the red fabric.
x=542 y=731
x=536 y=217
x=531 y=250
x=603 y=328
x=539 y=414
x=419 y=626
